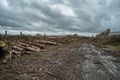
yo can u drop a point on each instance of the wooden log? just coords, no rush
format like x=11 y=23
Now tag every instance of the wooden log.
x=6 y=57
x=23 y=44
x=27 y=52
x=48 y=42
x=29 y=48
x=36 y=49
x=17 y=48
x=54 y=75
x=35 y=44
x=38 y=45
x=15 y=52
x=2 y=44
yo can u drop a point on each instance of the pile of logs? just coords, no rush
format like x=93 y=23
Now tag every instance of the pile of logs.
x=18 y=48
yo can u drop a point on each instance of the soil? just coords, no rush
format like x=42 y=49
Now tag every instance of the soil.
x=78 y=61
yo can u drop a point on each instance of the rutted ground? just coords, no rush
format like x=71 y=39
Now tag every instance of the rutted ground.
x=69 y=62
x=98 y=66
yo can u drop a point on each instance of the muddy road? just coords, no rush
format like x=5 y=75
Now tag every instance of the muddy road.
x=99 y=65
x=68 y=62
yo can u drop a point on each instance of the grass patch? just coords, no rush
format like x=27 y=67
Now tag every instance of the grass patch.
x=112 y=47
x=110 y=42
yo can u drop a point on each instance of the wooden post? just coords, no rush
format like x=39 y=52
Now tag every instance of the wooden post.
x=5 y=36
x=20 y=33
x=5 y=33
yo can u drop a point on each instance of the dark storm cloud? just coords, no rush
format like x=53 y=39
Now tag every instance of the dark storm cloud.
x=59 y=16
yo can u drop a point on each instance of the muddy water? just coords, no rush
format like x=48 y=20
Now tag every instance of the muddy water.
x=97 y=66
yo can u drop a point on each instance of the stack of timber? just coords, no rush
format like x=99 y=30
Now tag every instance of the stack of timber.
x=18 y=48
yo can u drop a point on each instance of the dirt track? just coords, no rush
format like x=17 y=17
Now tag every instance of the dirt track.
x=69 y=62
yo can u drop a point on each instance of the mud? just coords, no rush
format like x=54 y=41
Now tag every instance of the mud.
x=69 y=62
x=98 y=66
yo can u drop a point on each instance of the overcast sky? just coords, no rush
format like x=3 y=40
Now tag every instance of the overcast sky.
x=60 y=16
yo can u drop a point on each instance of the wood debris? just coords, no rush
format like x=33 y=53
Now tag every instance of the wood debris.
x=18 y=48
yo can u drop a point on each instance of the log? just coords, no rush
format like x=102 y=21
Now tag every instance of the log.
x=38 y=45
x=36 y=49
x=23 y=44
x=54 y=75
x=48 y=42
x=17 y=48
x=15 y=52
x=35 y=44
x=2 y=44
x=27 y=52
x=6 y=57
x=29 y=48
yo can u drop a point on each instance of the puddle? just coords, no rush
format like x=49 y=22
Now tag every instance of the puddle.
x=106 y=70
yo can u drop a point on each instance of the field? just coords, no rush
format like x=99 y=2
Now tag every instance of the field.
x=69 y=57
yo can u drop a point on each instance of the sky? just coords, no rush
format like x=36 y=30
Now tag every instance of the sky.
x=59 y=16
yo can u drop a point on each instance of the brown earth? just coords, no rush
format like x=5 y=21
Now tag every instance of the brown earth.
x=78 y=61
